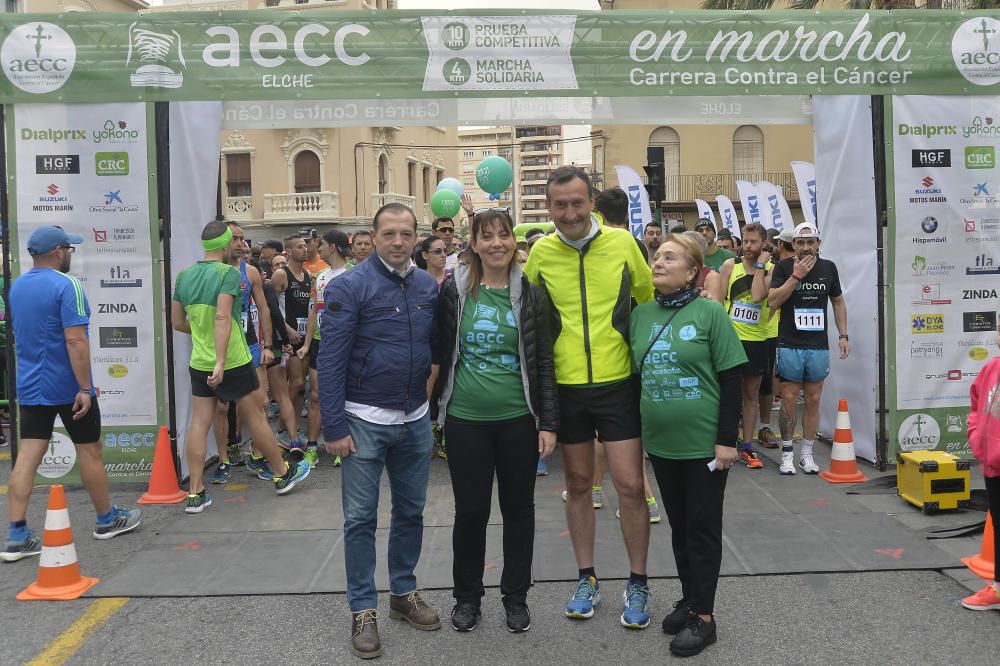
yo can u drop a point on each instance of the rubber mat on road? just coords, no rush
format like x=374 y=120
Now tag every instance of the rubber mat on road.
x=311 y=561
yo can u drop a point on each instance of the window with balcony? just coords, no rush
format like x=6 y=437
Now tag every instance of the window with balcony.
x=668 y=139
x=307 y=172
x=383 y=174
x=748 y=151
x=238 y=174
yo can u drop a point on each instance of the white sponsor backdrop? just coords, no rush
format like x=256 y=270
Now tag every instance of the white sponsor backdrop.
x=946 y=261
x=83 y=167
x=845 y=185
x=194 y=170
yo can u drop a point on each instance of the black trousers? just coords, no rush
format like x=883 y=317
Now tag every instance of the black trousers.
x=478 y=450
x=692 y=498
x=993 y=494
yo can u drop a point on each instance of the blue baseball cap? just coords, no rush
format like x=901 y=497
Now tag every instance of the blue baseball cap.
x=47 y=238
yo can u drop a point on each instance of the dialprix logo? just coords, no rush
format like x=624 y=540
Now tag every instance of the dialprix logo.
x=974 y=48
x=980 y=157
x=38 y=57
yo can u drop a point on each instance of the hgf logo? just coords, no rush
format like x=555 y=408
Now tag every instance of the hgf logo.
x=975 y=52
x=38 y=57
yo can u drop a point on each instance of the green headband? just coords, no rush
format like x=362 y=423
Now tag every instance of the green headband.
x=219 y=242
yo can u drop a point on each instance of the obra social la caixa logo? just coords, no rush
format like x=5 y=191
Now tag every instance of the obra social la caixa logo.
x=975 y=49
x=38 y=57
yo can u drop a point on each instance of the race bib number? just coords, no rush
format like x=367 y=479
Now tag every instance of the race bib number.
x=254 y=315
x=746 y=313
x=810 y=319
x=243 y=321
x=319 y=318
x=301 y=324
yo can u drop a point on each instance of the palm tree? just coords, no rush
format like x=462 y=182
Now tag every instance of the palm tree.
x=848 y=4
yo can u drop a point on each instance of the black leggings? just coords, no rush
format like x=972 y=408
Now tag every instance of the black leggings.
x=692 y=498
x=476 y=451
x=993 y=494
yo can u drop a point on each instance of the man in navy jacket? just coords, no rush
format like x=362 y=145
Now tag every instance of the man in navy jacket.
x=374 y=360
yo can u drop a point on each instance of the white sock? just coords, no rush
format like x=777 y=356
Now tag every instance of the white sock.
x=807 y=447
x=786 y=446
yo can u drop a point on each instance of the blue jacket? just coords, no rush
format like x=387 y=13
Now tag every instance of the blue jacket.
x=376 y=341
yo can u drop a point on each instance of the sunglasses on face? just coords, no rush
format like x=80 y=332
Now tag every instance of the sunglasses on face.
x=446 y=230
x=68 y=248
x=499 y=209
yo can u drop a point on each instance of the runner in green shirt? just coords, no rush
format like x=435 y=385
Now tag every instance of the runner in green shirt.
x=715 y=256
x=688 y=359
x=206 y=307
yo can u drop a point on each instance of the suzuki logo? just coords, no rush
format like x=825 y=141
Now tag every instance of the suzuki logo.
x=928 y=181
x=52 y=189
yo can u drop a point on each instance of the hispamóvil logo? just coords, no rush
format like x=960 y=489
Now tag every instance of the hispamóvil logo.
x=975 y=48
x=38 y=57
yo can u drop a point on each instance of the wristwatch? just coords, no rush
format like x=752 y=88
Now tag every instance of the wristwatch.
x=844 y=336
x=760 y=266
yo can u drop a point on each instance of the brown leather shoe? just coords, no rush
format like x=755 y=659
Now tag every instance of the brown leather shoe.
x=412 y=609
x=364 y=634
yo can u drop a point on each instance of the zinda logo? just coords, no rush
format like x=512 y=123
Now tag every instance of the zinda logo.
x=38 y=57
x=975 y=50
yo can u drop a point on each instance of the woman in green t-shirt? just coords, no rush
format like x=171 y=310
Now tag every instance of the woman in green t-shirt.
x=499 y=410
x=688 y=358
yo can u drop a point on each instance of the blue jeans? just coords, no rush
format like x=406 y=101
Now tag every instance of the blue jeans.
x=403 y=450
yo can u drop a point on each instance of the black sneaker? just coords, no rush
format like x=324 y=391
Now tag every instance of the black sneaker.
x=694 y=637
x=518 y=617
x=465 y=616
x=677 y=620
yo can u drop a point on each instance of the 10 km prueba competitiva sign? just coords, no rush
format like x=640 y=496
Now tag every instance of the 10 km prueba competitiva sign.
x=84 y=57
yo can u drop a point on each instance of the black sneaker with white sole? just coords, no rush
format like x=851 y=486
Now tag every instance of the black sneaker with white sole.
x=465 y=616
x=518 y=617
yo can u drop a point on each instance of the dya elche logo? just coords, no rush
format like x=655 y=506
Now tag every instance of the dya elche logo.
x=975 y=49
x=38 y=57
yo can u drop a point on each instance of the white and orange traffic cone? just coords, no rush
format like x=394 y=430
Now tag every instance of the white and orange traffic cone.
x=58 y=570
x=982 y=563
x=843 y=466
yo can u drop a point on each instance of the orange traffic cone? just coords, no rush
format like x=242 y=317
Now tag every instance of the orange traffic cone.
x=58 y=570
x=982 y=564
x=163 y=488
x=843 y=466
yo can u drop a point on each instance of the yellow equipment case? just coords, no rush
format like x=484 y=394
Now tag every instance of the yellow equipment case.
x=932 y=480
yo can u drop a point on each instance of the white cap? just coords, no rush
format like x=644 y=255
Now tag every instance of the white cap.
x=805 y=230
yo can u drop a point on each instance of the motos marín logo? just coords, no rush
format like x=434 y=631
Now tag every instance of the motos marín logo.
x=38 y=57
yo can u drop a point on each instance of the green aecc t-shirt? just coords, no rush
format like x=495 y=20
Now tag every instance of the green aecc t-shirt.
x=197 y=289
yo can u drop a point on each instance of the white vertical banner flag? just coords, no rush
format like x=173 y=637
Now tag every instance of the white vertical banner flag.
x=805 y=180
x=750 y=199
x=786 y=212
x=728 y=214
x=768 y=204
x=705 y=211
x=639 y=212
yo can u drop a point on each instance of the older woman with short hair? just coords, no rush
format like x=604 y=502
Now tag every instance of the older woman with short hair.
x=688 y=358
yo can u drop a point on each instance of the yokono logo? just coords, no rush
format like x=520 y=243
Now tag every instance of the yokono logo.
x=919 y=432
x=59 y=457
x=38 y=57
x=975 y=49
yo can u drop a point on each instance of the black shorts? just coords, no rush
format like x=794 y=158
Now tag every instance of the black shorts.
x=313 y=353
x=756 y=351
x=767 y=383
x=37 y=422
x=611 y=411
x=236 y=383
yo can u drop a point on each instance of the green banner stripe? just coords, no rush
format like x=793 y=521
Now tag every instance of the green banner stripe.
x=265 y=55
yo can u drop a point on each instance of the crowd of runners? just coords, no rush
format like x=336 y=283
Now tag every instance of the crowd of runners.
x=396 y=346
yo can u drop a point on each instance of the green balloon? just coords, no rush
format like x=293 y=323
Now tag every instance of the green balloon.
x=445 y=203
x=494 y=174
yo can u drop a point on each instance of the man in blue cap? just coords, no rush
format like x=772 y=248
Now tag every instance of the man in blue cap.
x=50 y=315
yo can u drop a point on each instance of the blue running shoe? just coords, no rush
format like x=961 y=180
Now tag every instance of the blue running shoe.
x=18 y=550
x=122 y=521
x=297 y=472
x=543 y=468
x=586 y=597
x=634 y=615
x=222 y=473
x=260 y=467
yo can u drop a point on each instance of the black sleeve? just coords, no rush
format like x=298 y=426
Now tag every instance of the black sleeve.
x=730 y=405
x=835 y=288
x=279 y=335
x=548 y=417
x=780 y=273
x=642 y=248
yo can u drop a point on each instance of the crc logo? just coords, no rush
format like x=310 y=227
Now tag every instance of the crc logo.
x=59 y=458
x=974 y=48
x=980 y=157
x=57 y=164
x=919 y=432
x=111 y=164
x=38 y=57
